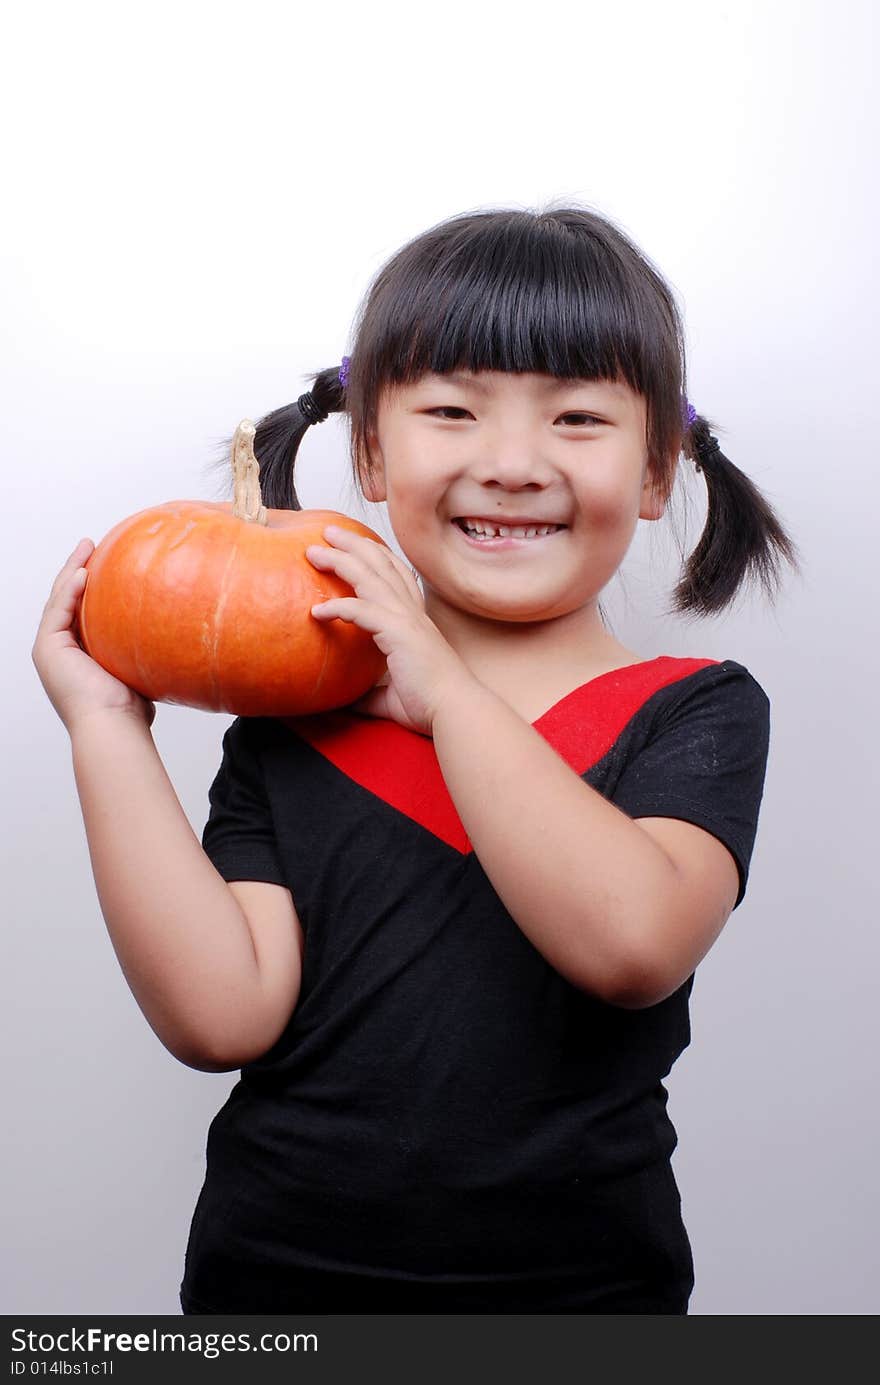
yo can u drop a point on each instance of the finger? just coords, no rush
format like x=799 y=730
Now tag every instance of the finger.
x=346 y=540
x=66 y=591
x=78 y=556
x=337 y=607
x=341 y=536
x=355 y=569
x=354 y=611
x=72 y=564
x=389 y=564
x=388 y=557
x=408 y=573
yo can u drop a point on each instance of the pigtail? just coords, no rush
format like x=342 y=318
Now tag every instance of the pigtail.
x=279 y=435
x=742 y=538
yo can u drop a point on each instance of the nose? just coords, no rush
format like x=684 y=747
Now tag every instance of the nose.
x=512 y=461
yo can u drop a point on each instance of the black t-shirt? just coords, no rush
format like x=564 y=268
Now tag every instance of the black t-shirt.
x=444 y=1109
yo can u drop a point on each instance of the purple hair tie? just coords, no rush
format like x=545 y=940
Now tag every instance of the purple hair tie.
x=343 y=371
x=688 y=413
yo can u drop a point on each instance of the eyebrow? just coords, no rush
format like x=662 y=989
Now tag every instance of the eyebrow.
x=552 y=386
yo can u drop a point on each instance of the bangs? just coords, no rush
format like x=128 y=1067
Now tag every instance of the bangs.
x=560 y=292
x=519 y=293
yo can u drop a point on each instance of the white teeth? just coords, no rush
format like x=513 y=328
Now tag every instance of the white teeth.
x=516 y=531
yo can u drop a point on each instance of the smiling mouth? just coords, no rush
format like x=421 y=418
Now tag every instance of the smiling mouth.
x=483 y=531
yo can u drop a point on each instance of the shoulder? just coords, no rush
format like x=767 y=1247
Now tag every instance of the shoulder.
x=717 y=715
x=252 y=744
x=729 y=673
x=723 y=686
x=255 y=734
x=708 y=725
x=243 y=738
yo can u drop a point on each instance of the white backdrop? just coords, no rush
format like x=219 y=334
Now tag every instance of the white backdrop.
x=198 y=202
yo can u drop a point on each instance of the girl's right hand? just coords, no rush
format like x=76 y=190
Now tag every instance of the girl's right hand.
x=75 y=683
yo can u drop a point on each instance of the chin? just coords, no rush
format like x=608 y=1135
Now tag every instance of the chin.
x=526 y=610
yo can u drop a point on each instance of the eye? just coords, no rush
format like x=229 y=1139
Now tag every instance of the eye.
x=454 y=409
x=591 y=418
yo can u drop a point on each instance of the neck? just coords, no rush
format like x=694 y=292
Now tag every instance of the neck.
x=501 y=651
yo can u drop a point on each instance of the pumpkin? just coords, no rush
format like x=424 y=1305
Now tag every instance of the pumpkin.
x=207 y=604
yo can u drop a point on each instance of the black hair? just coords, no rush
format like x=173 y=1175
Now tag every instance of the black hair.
x=560 y=291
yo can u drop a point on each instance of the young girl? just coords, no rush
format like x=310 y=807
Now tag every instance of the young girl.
x=449 y=933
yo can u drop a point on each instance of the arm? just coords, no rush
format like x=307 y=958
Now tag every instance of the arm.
x=590 y=888
x=215 y=993
x=621 y=909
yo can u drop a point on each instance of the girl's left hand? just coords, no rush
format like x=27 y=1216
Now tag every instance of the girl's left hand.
x=422 y=665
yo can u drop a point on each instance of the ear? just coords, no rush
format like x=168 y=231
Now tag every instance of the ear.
x=371 y=472
x=653 y=498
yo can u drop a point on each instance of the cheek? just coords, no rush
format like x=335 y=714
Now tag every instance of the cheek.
x=607 y=505
x=611 y=492
x=413 y=516
x=415 y=495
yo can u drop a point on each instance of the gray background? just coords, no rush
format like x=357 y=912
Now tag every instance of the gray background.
x=198 y=206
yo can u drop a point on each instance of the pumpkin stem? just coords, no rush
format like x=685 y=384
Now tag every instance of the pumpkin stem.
x=247 y=500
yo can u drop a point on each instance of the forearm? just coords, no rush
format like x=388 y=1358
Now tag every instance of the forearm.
x=575 y=873
x=180 y=936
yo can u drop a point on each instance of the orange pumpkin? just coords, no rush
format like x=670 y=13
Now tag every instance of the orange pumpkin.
x=207 y=604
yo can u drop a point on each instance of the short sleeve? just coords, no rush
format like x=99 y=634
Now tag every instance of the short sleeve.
x=705 y=760
x=239 y=836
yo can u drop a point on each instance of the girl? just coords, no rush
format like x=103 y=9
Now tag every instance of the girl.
x=449 y=933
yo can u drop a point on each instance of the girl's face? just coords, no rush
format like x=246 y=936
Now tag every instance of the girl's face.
x=517 y=449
